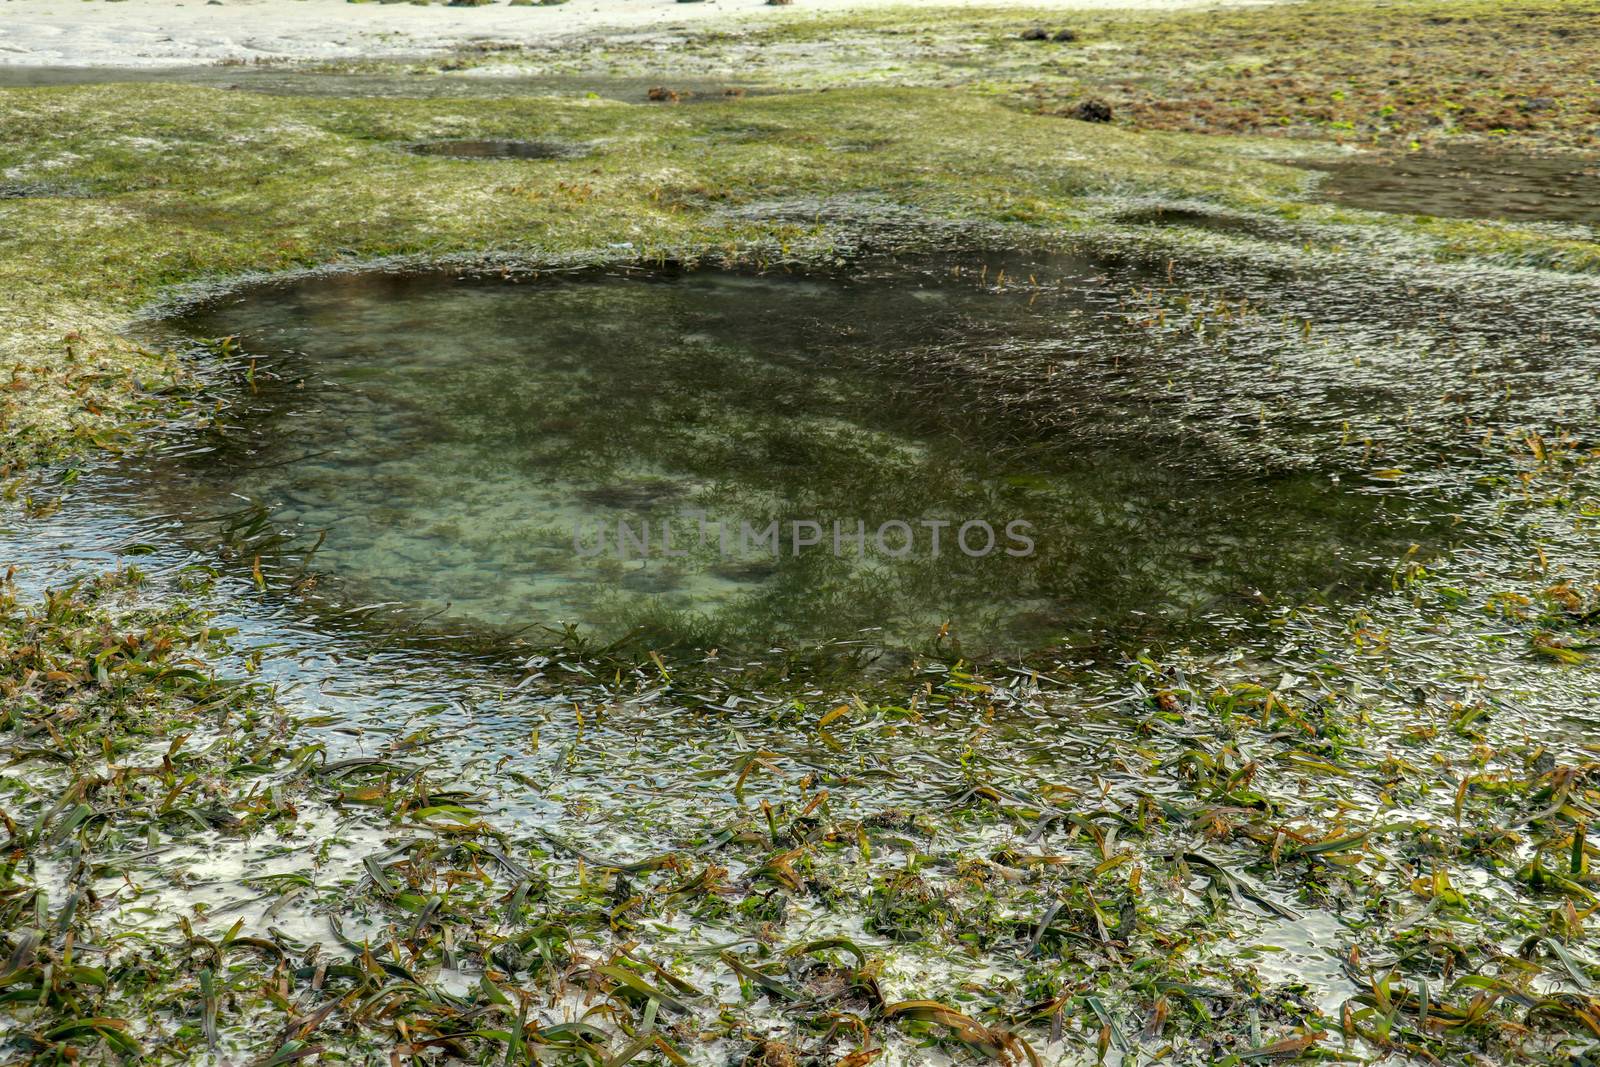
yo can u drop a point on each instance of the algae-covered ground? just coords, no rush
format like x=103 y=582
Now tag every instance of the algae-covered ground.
x=1355 y=830
x=1354 y=71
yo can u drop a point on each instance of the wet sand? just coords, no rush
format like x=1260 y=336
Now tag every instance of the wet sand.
x=164 y=33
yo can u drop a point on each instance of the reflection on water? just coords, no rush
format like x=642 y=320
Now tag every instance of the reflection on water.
x=727 y=458
x=1471 y=183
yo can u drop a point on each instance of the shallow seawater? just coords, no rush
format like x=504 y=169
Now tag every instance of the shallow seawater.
x=1466 y=182
x=736 y=459
x=1210 y=221
x=499 y=149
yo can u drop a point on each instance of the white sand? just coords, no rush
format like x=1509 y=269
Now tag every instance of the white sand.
x=164 y=33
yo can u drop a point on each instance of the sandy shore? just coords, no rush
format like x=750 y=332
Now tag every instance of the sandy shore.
x=126 y=33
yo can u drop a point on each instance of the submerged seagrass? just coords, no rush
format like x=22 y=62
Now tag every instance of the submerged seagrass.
x=962 y=449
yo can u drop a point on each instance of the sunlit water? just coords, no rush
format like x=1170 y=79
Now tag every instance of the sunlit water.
x=740 y=458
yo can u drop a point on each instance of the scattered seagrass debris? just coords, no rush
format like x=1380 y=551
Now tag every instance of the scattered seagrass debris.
x=686 y=862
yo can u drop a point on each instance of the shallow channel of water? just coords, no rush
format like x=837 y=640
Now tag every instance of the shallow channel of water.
x=1470 y=182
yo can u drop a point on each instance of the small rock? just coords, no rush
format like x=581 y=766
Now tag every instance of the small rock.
x=1539 y=103
x=660 y=94
x=1092 y=111
x=1063 y=36
x=779 y=3
x=1036 y=33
